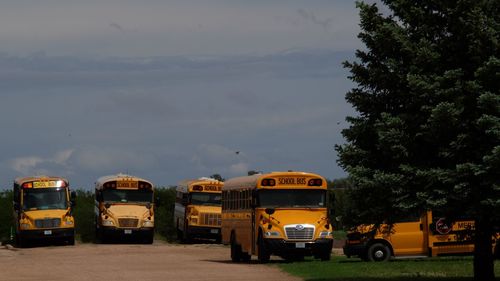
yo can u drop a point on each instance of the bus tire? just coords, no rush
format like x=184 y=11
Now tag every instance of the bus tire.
x=20 y=243
x=218 y=240
x=245 y=257
x=379 y=252
x=263 y=255
x=185 y=236
x=496 y=255
x=149 y=238
x=71 y=241
x=235 y=250
x=325 y=256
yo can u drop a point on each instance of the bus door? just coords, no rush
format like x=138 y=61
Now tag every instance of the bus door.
x=408 y=237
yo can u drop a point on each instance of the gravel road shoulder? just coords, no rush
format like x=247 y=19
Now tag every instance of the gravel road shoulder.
x=160 y=261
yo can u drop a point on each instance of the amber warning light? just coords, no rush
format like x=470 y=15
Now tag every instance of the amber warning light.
x=315 y=182
x=268 y=182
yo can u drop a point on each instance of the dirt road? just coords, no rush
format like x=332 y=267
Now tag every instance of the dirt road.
x=160 y=261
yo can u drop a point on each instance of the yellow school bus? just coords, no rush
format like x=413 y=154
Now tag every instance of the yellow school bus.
x=124 y=207
x=198 y=209
x=43 y=208
x=279 y=213
x=425 y=235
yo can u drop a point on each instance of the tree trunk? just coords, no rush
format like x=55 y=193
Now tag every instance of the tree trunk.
x=483 y=257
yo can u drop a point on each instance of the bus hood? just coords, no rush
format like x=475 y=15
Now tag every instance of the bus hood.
x=297 y=216
x=206 y=209
x=44 y=214
x=127 y=210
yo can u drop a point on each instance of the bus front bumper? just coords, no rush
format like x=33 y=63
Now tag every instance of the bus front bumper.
x=115 y=231
x=308 y=248
x=204 y=232
x=42 y=234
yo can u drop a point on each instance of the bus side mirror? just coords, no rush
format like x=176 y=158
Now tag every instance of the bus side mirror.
x=270 y=211
x=331 y=213
x=73 y=199
x=185 y=199
x=16 y=206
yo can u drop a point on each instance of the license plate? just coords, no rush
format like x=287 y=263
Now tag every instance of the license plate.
x=127 y=231
x=214 y=231
x=300 y=245
x=47 y=232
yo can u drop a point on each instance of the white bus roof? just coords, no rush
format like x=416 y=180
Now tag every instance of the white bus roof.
x=118 y=177
x=183 y=185
x=252 y=181
x=21 y=180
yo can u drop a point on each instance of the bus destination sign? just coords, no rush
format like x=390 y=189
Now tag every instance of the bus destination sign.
x=126 y=184
x=292 y=181
x=45 y=184
x=212 y=188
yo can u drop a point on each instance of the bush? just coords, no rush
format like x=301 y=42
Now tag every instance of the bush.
x=164 y=214
x=6 y=215
x=84 y=215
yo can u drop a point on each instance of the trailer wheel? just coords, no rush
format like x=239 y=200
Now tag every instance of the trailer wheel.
x=379 y=252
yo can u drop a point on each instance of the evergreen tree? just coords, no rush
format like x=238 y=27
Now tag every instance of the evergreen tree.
x=427 y=132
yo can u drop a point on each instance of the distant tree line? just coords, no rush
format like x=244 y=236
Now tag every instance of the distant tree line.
x=164 y=226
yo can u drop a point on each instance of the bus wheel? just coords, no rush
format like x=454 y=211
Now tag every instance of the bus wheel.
x=378 y=252
x=325 y=256
x=149 y=238
x=71 y=241
x=245 y=257
x=19 y=241
x=235 y=250
x=218 y=240
x=263 y=255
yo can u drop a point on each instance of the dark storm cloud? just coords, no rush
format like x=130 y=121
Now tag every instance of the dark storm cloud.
x=170 y=118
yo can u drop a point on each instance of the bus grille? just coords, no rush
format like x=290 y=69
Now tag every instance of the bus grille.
x=48 y=223
x=212 y=219
x=128 y=222
x=296 y=233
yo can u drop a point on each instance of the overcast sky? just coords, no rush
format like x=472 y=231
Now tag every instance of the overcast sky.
x=170 y=90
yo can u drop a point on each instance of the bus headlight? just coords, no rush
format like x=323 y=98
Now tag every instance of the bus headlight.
x=148 y=224
x=272 y=234
x=107 y=223
x=25 y=226
x=325 y=234
x=68 y=222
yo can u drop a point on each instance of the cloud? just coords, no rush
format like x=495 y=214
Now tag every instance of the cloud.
x=214 y=158
x=239 y=169
x=116 y=26
x=113 y=160
x=39 y=165
x=25 y=165
x=311 y=17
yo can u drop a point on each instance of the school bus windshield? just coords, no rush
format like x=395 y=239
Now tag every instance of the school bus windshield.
x=125 y=196
x=200 y=198
x=292 y=198
x=44 y=199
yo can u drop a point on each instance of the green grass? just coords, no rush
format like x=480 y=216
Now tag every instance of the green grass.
x=342 y=268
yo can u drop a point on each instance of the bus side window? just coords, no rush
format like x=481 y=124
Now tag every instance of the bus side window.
x=98 y=195
x=223 y=201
